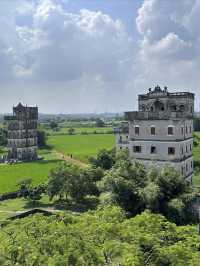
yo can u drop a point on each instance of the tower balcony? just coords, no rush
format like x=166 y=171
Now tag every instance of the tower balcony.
x=131 y=116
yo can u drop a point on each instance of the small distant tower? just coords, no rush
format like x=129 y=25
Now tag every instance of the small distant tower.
x=161 y=132
x=22 y=133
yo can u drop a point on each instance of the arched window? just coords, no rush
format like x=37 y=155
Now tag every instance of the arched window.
x=159 y=106
x=182 y=108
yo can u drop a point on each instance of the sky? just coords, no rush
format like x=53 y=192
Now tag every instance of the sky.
x=85 y=56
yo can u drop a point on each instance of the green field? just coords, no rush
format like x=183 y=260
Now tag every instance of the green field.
x=9 y=208
x=82 y=146
x=11 y=174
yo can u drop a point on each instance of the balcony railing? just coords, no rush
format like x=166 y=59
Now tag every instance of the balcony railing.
x=156 y=115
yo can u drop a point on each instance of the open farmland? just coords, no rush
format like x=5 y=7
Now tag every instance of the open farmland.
x=11 y=174
x=82 y=146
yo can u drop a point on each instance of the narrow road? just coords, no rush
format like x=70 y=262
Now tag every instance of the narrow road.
x=69 y=159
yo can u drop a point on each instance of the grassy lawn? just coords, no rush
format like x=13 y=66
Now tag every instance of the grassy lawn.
x=9 y=207
x=38 y=171
x=82 y=146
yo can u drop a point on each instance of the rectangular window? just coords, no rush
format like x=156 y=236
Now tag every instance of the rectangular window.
x=182 y=170
x=190 y=129
x=182 y=130
x=171 y=150
x=186 y=130
x=191 y=164
x=137 y=149
x=170 y=131
x=137 y=130
x=153 y=149
x=153 y=131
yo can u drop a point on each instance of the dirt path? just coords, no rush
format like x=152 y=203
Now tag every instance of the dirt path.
x=69 y=159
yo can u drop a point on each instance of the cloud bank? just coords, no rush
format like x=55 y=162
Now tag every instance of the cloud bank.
x=86 y=61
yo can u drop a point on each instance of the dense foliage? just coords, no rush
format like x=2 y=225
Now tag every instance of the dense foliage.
x=28 y=191
x=103 y=237
x=104 y=159
x=72 y=182
x=42 y=138
x=135 y=189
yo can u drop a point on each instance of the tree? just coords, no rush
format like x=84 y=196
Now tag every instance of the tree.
x=28 y=191
x=53 y=125
x=122 y=181
x=135 y=189
x=101 y=237
x=71 y=131
x=71 y=182
x=105 y=159
x=42 y=138
x=100 y=123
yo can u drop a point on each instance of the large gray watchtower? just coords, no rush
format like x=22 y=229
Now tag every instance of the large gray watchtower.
x=161 y=132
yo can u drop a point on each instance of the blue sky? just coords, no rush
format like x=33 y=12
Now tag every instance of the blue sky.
x=72 y=56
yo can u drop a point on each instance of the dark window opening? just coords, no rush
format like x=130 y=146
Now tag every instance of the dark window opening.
x=137 y=130
x=153 y=149
x=170 y=130
x=137 y=149
x=182 y=108
x=153 y=131
x=171 y=150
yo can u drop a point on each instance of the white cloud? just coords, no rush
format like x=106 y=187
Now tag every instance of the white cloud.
x=88 y=56
x=64 y=46
x=169 y=51
x=88 y=52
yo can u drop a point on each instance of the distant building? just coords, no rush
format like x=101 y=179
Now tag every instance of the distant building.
x=22 y=133
x=161 y=132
